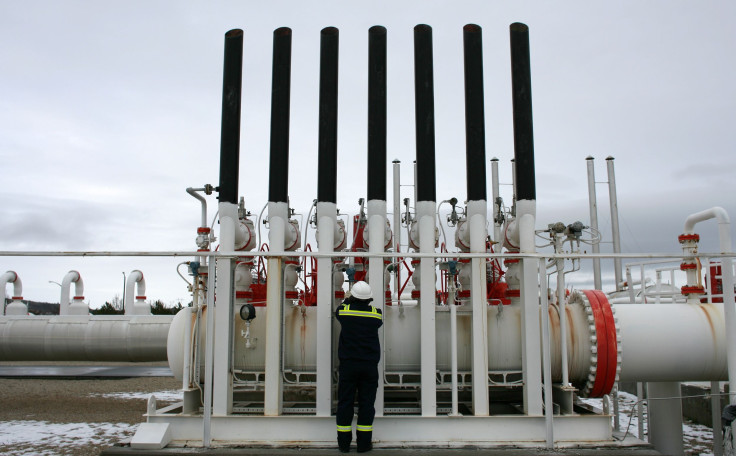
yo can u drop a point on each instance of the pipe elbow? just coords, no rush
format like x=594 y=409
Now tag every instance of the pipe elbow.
x=12 y=277
x=69 y=278
x=716 y=212
x=135 y=279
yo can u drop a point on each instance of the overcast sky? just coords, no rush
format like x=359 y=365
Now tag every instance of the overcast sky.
x=109 y=110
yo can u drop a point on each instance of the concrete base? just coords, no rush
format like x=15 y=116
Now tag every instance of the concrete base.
x=390 y=431
x=151 y=436
x=508 y=451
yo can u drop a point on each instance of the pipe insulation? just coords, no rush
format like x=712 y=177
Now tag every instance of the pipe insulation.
x=230 y=129
x=424 y=109
x=84 y=338
x=521 y=83
x=377 y=113
x=327 y=140
x=475 y=136
x=278 y=187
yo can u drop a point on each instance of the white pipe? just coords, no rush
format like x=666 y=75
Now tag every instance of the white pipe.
x=615 y=232
x=78 y=307
x=495 y=186
x=377 y=242
x=222 y=395
x=209 y=353
x=426 y=219
x=84 y=338
x=593 y=205
x=278 y=213
x=135 y=294
x=630 y=284
x=397 y=225
x=477 y=216
x=326 y=225
x=453 y=345
x=530 y=341
x=12 y=277
x=16 y=306
x=193 y=192
x=724 y=237
x=546 y=358
x=561 y=305
x=189 y=313
x=717 y=213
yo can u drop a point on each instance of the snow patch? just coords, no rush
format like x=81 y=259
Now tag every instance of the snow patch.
x=161 y=396
x=29 y=437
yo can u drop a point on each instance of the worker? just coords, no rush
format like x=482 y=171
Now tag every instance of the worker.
x=359 y=352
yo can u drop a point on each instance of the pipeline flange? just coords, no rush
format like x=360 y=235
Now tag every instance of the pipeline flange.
x=605 y=343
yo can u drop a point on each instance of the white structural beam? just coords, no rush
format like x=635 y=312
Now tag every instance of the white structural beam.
x=277 y=218
x=428 y=355
x=593 y=207
x=326 y=224
x=477 y=216
x=530 y=338
x=222 y=382
x=377 y=242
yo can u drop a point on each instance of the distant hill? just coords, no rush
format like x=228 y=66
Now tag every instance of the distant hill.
x=40 y=308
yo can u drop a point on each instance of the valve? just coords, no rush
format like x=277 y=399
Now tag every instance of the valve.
x=453 y=218
x=499 y=218
x=351 y=274
x=575 y=230
x=194 y=268
x=406 y=218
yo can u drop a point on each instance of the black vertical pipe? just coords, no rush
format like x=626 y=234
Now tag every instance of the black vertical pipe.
x=475 y=133
x=377 y=113
x=424 y=109
x=521 y=87
x=278 y=184
x=232 y=78
x=327 y=142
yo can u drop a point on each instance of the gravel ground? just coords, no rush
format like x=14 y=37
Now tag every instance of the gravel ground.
x=71 y=416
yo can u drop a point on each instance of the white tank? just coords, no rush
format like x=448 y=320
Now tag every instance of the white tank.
x=84 y=338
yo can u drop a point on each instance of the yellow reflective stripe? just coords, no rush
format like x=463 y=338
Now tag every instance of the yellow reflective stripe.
x=344 y=428
x=364 y=428
x=360 y=313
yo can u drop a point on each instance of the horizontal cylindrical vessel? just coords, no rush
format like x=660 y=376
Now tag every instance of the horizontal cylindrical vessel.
x=401 y=340
x=672 y=342
x=84 y=338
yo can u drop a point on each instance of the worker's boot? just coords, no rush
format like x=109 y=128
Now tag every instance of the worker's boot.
x=364 y=441
x=343 y=441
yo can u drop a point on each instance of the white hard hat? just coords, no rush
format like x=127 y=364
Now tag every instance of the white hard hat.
x=361 y=290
